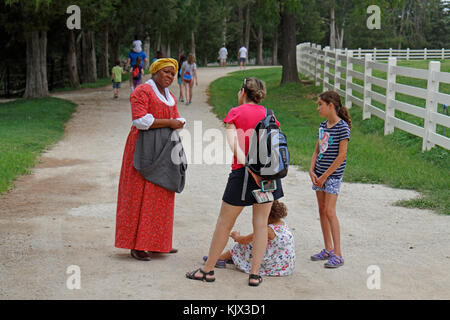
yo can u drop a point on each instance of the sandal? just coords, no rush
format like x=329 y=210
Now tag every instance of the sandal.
x=322 y=255
x=334 y=262
x=191 y=275
x=141 y=255
x=254 y=277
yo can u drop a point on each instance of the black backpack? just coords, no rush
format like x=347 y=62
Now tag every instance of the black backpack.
x=268 y=154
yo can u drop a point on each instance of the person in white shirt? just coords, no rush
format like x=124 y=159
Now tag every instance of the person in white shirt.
x=223 y=54
x=243 y=56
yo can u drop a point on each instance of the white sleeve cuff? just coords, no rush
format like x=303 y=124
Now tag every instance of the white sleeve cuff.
x=182 y=120
x=145 y=122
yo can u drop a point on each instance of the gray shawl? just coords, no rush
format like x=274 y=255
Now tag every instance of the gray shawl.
x=159 y=156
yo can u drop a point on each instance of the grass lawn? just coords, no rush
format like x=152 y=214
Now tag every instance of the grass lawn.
x=27 y=127
x=101 y=82
x=395 y=160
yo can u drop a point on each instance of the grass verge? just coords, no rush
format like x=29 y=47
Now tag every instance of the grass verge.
x=27 y=127
x=395 y=160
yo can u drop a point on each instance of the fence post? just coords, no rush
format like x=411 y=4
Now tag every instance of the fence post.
x=390 y=97
x=337 y=73
x=325 y=69
x=390 y=52
x=298 y=53
x=367 y=86
x=443 y=54
x=359 y=53
x=407 y=53
x=425 y=54
x=431 y=104
x=348 y=79
x=307 y=59
x=374 y=54
x=318 y=48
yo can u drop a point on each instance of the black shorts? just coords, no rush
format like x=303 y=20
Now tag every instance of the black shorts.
x=233 y=190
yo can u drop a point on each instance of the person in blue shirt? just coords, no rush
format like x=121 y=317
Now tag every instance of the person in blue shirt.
x=135 y=52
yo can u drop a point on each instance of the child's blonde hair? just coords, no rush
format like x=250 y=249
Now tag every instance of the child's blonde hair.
x=191 y=58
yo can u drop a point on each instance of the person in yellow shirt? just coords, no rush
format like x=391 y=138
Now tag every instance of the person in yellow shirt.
x=117 y=72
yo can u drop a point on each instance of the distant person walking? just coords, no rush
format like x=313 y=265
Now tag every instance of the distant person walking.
x=188 y=75
x=135 y=52
x=180 y=81
x=137 y=72
x=243 y=57
x=117 y=72
x=223 y=55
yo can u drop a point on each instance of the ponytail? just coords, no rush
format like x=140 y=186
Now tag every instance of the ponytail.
x=334 y=98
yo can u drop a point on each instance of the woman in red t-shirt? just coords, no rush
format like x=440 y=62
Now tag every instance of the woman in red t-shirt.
x=240 y=123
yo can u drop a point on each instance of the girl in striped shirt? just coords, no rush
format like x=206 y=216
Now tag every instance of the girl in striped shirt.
x=326 y=171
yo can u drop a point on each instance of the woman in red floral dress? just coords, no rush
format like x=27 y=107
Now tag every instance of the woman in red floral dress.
x=144 y=220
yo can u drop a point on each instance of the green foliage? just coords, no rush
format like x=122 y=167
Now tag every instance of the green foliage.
x=27 y=128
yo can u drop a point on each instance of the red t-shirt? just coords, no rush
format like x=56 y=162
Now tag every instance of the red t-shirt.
x=245 y=118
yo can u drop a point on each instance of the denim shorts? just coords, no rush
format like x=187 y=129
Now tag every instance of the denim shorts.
x=331 y=185
x=116 y=85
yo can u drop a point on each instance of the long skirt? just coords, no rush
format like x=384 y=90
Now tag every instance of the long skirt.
x=145 y=211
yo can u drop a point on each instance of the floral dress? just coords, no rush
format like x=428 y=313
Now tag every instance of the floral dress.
x=279 y=259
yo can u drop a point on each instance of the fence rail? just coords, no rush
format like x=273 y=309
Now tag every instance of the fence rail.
x=318 y=63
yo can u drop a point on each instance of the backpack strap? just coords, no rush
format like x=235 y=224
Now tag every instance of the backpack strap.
x=246 y=166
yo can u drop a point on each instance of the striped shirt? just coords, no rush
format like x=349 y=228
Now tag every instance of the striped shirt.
x=329 y=139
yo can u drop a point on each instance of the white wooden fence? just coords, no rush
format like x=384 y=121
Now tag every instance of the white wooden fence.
x=315 y=62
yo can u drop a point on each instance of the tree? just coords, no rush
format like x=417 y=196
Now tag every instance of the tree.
x=34 y=17
x=289 y=54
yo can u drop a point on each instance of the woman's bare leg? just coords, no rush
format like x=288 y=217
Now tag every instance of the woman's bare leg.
x=225 y=222
x=191 y=85
x=260 y=218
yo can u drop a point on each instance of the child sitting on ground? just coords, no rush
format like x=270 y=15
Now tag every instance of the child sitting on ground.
x=279 y=259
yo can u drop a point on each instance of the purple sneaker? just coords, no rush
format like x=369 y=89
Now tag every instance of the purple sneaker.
x=322 y=255
x=219 y=263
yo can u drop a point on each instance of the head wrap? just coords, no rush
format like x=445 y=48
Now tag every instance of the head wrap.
x=162 y=63
x=137 y=46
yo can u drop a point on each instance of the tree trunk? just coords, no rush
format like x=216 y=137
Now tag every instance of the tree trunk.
x=193 y=42
x=104 y=63
x=247 y=28
x=158 y=44
x=36 y=83
x=332 y=28
x=168 y=51
x=275 y=48
x=72 y=61
x=224 y=30
x=115 y=48
x=259 y=53
x=147 y=50
x=241 y=25
x=288 y=57
x=89 y=59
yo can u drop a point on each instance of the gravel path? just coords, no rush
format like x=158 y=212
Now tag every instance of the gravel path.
x=63 y=214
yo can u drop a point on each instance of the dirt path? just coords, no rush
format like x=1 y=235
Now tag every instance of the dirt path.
x=63 y=214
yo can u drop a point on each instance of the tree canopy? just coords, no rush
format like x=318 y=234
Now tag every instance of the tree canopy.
x=108 y=27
